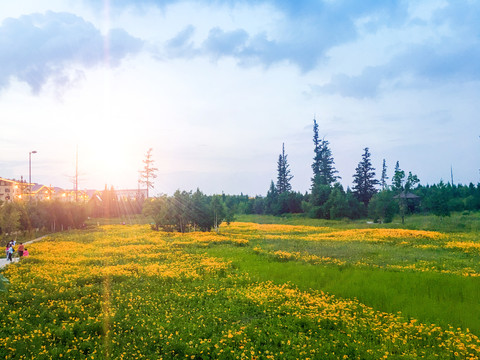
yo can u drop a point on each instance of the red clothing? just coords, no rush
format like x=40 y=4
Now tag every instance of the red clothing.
x=21 y=247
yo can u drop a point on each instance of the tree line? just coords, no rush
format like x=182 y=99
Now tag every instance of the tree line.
x=369 y=196
x=50 y=216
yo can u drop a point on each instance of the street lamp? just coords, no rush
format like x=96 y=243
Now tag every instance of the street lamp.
x=30 y=172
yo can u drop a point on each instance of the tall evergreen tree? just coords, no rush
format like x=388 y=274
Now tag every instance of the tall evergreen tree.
x=283 y=176
x=271 y=200
x=384 y=178
x=316 y=149
x=147 y=175
x=364 y=179
x=412 y=181
x=324 y=172
x=398 y=178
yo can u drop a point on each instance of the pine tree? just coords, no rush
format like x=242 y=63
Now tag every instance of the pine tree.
x=271 y=199
x=364 y=179
x=383 y=179
x=316 y=149
x=398 y=178
x=283 y=177
x=324 y=172
x=147 y=175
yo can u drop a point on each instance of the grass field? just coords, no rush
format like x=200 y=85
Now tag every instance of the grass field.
x=319 y=290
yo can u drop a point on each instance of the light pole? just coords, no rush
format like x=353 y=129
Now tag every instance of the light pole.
x=30 y=174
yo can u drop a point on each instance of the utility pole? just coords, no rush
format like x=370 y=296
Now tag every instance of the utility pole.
x=76 y=176
x=451 y=173
x=30 y=174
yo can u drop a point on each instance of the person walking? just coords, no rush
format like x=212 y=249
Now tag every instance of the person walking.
x=10 y=253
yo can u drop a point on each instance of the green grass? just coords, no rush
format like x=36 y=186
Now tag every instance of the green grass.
x=457 y=222
x=443 y=299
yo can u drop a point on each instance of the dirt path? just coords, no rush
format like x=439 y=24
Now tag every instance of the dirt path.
x=4 y=262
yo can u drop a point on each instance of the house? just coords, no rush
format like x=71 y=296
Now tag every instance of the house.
x=131 y=194
x=42 y=192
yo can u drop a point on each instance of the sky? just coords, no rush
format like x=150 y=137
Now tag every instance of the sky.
x=215 y=87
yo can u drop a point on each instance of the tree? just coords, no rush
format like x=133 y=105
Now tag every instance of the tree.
x=147 y=175
x=316 y=149
x=402 y=189
x=364 y=181
x=412 y=180
x=218 y=210
x=324 y=172
x=383 y=179
x=283 y=177
x=398 y=178
x=336 y=206
x=271 y=200
x=382 y=207
x=185 y=211
x=9 y=218
x=318 y=198
x=439 y=200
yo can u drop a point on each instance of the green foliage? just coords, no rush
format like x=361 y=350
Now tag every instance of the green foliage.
x=187 y=212
x=398 y=179
x=382 y=207
x=50 y=216
x=324 y=172
x=384 y=177
x=332 y=202
x=438 y=200
x=283 y=173
x=364 y=181
x=337 y=205
x=9 y=218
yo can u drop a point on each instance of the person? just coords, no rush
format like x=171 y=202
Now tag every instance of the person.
x=20 y=250
x=7 y=250
x=12 y=249
x=25 y=253
x=10 y=253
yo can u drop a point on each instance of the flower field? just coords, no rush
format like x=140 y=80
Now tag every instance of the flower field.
x=127 y=292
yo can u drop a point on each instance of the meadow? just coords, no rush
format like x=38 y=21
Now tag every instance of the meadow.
x=255 y=290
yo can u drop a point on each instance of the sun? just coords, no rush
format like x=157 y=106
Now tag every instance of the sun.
x=110 y=162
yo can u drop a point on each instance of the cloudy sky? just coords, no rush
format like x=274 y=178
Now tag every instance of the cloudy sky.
x=216 y=86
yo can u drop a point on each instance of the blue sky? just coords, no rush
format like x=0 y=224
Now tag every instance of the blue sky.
x=216 y=87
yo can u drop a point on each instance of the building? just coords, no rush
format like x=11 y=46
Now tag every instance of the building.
x=13 y=190
x=42 y=192
x=131 y=194
x=10 y=189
